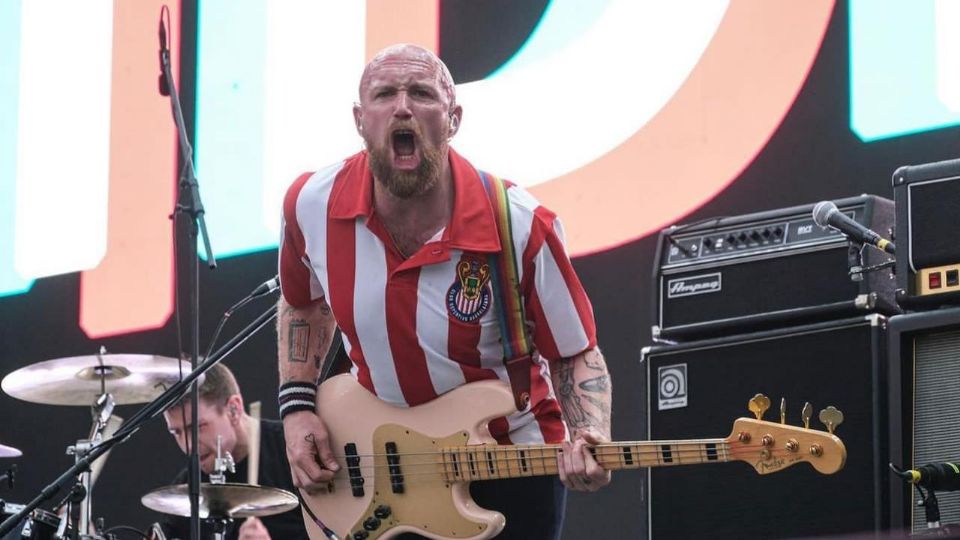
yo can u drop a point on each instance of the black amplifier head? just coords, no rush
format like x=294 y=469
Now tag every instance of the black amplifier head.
x=767 y=269
x=928 y=217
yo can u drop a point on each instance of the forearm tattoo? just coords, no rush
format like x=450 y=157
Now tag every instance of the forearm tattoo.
x=596 y=384
x=584 y=404
x=576 y=415
x=298 y=338
x=322 y=345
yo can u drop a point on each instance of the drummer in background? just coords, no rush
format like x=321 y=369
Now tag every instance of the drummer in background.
x=221 y=412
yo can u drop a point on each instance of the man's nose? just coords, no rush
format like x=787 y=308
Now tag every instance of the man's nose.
x=402 y=106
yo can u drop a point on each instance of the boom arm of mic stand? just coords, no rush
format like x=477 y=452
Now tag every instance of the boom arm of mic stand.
x=151 y=410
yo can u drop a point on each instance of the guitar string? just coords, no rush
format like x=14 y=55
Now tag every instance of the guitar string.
x=617 y=448
x=444 y=470
x=677 y=457
x=507 y=454
x=639 y=462
x=542 y=462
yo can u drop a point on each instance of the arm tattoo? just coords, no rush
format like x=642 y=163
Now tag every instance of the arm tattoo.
x=572 y=408
x=593 y=361
x=584 y=402
x=299 y=340
x=597 y=384
x=323 y=343
x=601 y=406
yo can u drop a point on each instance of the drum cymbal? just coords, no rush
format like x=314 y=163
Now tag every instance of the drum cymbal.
x=9 y=451
x=222 y=500
x=76 y=380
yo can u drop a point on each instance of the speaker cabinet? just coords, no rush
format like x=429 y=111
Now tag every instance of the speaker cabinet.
x=925 y=404
x=696 y=390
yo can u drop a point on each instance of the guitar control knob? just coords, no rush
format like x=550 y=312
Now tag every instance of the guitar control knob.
x=383 y=511
x=371 y=524
x=361 y=535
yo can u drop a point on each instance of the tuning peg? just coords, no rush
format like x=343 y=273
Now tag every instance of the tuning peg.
x=806 y=414
x=758 y=405
x=783 y=410
x=831 y=417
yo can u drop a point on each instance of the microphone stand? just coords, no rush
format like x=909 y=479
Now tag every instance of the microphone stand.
x=855 y=259
x=189 y=205
x=931 y=507
x=151 y=410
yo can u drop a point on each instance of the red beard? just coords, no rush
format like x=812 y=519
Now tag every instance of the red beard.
x=405 y=184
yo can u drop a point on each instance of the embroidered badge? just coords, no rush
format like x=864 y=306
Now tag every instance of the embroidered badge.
x=469 y=296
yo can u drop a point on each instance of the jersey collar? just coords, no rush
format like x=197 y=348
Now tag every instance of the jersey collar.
x=473 y=227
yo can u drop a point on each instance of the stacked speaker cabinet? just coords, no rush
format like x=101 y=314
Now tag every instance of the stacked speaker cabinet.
x=696 y=390
x=925 y=405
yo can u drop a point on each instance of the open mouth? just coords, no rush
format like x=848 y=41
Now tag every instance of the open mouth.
x=404 y=143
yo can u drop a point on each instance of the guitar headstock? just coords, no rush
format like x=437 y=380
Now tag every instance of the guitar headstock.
x=771 y=447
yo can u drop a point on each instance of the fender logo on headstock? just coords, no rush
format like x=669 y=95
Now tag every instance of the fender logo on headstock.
x=771 y=465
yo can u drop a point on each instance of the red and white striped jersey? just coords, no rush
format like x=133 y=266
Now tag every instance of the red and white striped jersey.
x=417 y=327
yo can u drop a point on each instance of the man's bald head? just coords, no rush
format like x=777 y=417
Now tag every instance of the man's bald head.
x=410 y=52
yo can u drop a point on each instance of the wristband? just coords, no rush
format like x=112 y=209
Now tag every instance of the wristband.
x=297 y=396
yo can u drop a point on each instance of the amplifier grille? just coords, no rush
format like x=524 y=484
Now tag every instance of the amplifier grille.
x=937 y=413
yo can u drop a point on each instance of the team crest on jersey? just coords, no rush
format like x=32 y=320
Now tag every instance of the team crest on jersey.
x=469 y=296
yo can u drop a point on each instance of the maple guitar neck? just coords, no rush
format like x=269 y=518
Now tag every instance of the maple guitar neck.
x=471 y=463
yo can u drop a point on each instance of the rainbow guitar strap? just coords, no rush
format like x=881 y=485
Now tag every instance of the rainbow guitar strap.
x=505 y=279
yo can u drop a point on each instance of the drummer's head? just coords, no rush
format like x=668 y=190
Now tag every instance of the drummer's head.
x=220 y=412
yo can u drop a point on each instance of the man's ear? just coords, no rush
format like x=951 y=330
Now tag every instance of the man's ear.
x=456 y=114
x=235 y=407
x=358 y=118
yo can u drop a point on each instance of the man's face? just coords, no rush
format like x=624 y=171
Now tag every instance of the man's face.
x=212 y=421
x=404 y=116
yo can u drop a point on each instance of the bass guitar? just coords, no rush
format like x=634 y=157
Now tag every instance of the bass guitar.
x=409 y=469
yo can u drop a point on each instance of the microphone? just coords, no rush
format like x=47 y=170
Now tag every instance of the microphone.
x=826 y=214
x=935 y=476
x=266 y=287
x=164 y=53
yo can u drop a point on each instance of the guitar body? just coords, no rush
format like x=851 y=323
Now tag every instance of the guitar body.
x=408 y=493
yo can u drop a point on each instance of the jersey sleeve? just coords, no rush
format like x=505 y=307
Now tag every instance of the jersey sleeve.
x=298 y=281
x=558 y=309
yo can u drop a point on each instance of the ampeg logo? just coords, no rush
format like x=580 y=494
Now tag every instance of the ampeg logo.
x=689 y=286
x=672 y=387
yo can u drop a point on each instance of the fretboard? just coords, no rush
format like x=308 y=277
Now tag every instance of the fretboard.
x=469 y=463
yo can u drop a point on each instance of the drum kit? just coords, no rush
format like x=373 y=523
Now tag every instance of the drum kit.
x=102 y=381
